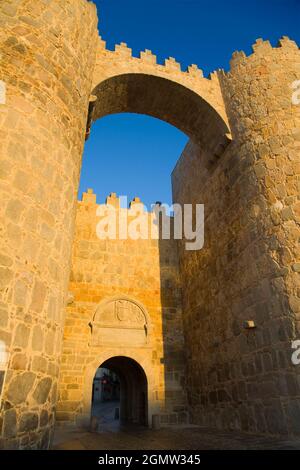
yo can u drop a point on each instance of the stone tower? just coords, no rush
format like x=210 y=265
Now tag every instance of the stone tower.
x=46 y=63
x=248 y=269
x=242 y=162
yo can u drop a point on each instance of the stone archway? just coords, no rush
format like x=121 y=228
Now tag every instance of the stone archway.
x=166 y=100
x=39 y=227
x=141 y=369
x=186 y=99
x=133 y=389
x=43 y=124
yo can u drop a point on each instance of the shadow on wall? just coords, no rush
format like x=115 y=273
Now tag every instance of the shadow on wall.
x=3 y=364
x=176 y=411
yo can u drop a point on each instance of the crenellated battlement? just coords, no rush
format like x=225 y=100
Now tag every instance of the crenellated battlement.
x=89 y=198
x=264 y=48
x=147 y=58
x=117 y=72
x=123 y=51
x=146 y=62
x=60 y=77
x=120 y=62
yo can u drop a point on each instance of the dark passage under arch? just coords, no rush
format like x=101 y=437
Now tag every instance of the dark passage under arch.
x=129 y=386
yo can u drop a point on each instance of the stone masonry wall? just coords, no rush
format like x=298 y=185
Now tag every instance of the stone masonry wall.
x=142 y=270
x=248 y=270
x=241 y=378
x=47 y=57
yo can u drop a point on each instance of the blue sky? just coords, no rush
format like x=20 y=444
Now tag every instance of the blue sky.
x=132 y=154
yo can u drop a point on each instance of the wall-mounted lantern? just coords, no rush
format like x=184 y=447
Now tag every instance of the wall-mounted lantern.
x=249 y=324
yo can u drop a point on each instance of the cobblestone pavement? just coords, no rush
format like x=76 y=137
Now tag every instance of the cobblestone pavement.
x=176 y=438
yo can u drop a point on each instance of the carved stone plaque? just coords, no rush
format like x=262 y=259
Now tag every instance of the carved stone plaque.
x=119 y=321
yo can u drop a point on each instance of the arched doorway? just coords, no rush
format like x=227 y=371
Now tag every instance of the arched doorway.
x=120 y=393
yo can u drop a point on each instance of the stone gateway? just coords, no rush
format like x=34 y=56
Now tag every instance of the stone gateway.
x=171 y=320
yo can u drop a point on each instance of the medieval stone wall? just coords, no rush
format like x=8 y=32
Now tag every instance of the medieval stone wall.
x=46 y=63
x=51 y=60
x=243 y=378
x=126 y=277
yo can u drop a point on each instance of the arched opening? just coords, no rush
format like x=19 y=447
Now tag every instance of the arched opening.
x=166 y=100
x=119 y=395
x=126 y=152
x=194 y=113
x=146 y=270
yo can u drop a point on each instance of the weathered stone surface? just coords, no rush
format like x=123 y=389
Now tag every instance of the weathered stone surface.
x=20 y=387
x=2 y=373
x=44 y=418
x=40 y=169
x=293 y=412
x=38 y=297
x=28 y=422
x=9 y=423
x=3 y=318
x=247 y=271
x=19 y=361
x=131 y=310
x=21 y=336
x=37 y=338
x=6 y=276
x=275 y=419
x=42 y=390
x=248 y=267
x=39 y=364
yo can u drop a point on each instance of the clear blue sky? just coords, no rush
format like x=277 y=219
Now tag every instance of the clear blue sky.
x=134 y=155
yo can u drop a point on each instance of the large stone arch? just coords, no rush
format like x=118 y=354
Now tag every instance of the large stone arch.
x=187 y=100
